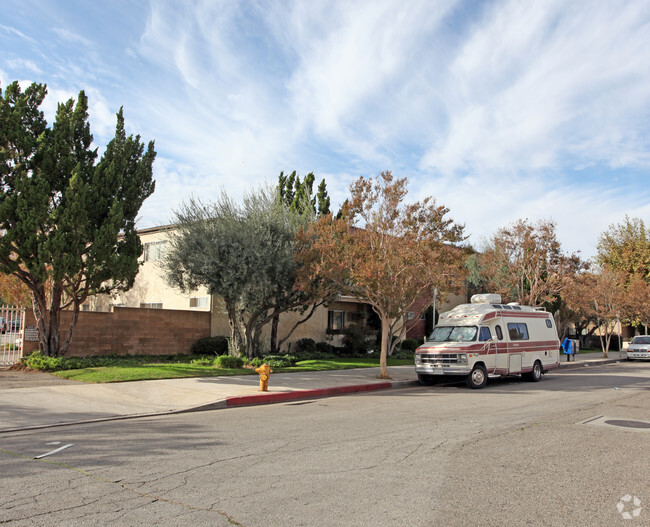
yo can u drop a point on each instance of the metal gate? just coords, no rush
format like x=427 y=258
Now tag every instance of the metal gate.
x=12 y=328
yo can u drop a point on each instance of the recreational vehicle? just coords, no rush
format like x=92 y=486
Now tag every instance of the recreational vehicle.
x=489 y=339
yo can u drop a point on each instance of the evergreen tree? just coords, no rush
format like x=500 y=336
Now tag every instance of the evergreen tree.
x=323 y=200
x=299 y=195
x=67 y=223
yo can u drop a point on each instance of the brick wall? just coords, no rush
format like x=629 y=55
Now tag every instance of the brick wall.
x=130 y=330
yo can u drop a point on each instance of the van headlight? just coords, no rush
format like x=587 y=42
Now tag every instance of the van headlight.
x=418 y=358
x=462 y=358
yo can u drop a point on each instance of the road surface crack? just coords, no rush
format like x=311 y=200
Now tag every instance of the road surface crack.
x=118 y=483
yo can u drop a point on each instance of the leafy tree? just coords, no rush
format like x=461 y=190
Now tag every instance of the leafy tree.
x=68 y=222
x=637 y=302
x=13 y=291
x=626 y=248
x=244 y=254
x=525 y=263
x=384 y=252
x=599 y=297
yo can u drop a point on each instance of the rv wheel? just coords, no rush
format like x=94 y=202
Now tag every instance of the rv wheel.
x=478 y=377
x=426 y=380
x=536 y=374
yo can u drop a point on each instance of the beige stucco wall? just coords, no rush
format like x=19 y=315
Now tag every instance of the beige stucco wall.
x=150 y=286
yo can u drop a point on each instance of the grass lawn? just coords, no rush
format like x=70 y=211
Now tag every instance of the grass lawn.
x=146 y=371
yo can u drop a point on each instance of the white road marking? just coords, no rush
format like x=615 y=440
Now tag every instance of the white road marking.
x=54 y=451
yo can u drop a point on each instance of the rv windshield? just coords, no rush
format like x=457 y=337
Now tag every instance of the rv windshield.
x=453 y=334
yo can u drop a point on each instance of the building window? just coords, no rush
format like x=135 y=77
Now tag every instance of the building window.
x=335 y=320
x=85 y=307
x=151 y=305
x=154 y=251
x=202 y=302
x=410 y=315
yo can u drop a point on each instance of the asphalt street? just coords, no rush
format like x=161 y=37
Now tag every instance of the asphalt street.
x=515 y=453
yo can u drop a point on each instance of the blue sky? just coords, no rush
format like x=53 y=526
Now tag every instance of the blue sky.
x=499 y=109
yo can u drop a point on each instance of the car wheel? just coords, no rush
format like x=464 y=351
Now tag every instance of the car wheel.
x=426 y=380
x=478 y=378
x=535 y=375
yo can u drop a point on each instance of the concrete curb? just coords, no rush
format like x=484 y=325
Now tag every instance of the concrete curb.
x=582 y=364
x=280 y=397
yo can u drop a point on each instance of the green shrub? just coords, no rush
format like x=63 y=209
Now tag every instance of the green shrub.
x=38 y=361
x=403 y=354
x=409 y=344
x=305 y=345
x=210 y=345
x=255 y=362
x=229 y=362
x=314 y=355
x=280 y=361
x=357 y=340
x=324 y=347
x=203 y=361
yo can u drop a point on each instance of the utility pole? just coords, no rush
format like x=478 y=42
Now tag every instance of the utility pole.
x=435 y=297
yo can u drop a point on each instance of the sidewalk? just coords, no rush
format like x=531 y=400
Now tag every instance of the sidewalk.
x=45 y=404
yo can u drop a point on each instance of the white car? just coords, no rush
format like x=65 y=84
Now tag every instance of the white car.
x=639 y=348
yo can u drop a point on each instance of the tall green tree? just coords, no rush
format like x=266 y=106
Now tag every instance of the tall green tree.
x=297 y=194
x=243 y=253
x=67 y=221
x=625 y=248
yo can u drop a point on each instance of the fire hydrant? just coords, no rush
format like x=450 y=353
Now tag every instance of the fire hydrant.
x=265 y=371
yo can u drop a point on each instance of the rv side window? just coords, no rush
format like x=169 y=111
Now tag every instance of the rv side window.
x=485 y=334
x=499 y=332
x=548 y=323
x=517 y=331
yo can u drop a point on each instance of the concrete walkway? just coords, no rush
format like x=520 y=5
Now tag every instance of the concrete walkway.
x=37 y=400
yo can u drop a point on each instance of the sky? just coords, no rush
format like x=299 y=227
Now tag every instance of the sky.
x=501 y=110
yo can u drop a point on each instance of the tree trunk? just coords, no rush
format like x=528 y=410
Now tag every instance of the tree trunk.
x=55 y=319
x=40 y=313
x=275 y=321
x=249 y=341
x=385 y=332
x=73 y=323
x=235 y=329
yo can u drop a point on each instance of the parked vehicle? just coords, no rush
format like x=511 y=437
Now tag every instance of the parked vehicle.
x=3 y=325
x=639 y=348
x=488 y=339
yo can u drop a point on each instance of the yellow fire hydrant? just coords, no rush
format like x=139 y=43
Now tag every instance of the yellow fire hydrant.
x=265 y=371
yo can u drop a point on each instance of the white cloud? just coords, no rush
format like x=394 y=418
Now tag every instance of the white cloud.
x=539 y=82
x=14 y=31
x=23 y=64
x=73 y=38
